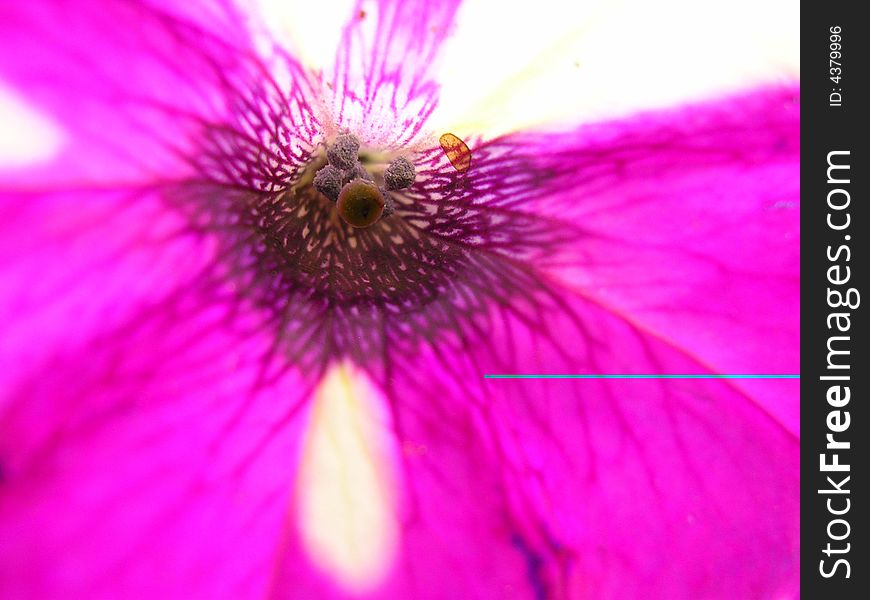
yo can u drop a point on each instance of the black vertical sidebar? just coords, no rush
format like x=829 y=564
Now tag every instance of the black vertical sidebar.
x=835 y=436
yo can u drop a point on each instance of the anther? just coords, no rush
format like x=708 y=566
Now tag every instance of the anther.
x=400 y=174
x=389 y=203
x=328 y=181
x=360 y=203
x=344 y=152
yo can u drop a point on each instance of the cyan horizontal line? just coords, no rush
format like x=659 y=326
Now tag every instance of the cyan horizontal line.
x=640 y=376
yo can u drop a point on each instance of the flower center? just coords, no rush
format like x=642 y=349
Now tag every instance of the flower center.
x=351 y=255
x=361 y=202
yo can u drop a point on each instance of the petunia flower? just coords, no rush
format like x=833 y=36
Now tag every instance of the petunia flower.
x=216 y=384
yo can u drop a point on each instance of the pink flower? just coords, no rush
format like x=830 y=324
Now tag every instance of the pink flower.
x=213 y=387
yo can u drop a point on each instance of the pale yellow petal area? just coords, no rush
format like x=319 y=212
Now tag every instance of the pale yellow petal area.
x=347 y=485
x=27 y=136
x=310 y=30
x=549 y=63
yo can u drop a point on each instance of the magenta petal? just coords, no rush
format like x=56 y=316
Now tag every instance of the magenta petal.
x=693 y=233
x=610 y=489
x=607 y=489
x=75 y=263
x=151 y=460
x=382 y=86
x=148 y=420
x=685 y=222
x=589 y=489
x=130 y=82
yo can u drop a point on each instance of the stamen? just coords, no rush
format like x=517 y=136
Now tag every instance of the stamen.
x=389 y=203
x=360 y=203
x=344 y=152
x=328 y=181
x=400 y=174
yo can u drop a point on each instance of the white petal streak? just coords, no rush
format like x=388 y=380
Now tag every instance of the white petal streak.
x=346 y=491
x=552 y=62
x=26 y=136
